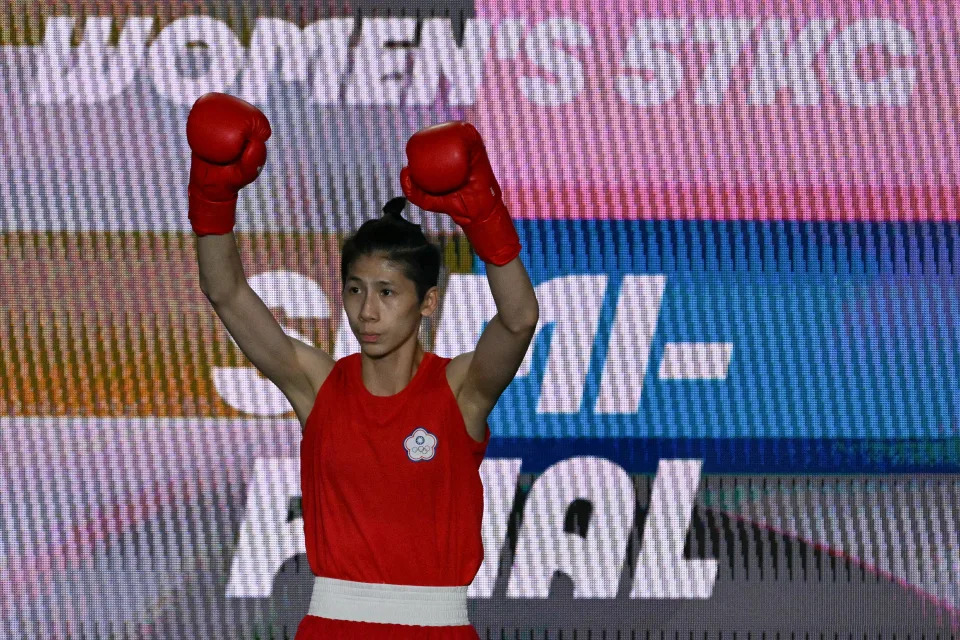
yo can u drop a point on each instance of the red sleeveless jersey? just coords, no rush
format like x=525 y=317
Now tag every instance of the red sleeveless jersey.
x=391 y=484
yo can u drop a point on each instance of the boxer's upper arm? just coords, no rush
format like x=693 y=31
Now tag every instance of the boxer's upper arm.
x=495 y=361
x=289 y=363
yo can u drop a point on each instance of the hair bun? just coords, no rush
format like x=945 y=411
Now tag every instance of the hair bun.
x=394 y=206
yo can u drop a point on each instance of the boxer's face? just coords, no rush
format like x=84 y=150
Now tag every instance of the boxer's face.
x=380 y=299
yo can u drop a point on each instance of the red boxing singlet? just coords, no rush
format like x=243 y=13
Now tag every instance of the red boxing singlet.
x=391 y=484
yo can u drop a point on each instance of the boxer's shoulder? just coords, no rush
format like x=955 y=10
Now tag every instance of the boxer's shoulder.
x=457 y=371
x=316 y=366
x=315 y=363
x=474 y=417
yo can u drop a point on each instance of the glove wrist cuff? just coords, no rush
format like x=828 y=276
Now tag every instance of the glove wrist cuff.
x=494 y=238
x=208 y=217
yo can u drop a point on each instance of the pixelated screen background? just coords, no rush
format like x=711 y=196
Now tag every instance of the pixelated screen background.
x=738 y=414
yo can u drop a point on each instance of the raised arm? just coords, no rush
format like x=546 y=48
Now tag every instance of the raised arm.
x=449 y=172
x=227 y=136
x=295 y=367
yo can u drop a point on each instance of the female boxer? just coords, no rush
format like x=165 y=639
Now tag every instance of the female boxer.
x=393 y=435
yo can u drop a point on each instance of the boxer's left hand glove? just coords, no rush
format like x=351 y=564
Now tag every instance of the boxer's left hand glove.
x=449 y=172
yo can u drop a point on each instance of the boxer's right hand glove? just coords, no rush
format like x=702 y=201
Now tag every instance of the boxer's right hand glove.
x=227 y=136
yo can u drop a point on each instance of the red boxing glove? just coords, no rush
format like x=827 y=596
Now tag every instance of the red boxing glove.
x=449 y=172
x=227 y=136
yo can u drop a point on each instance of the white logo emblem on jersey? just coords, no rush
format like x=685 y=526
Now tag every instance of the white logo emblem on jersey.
x=420 y=445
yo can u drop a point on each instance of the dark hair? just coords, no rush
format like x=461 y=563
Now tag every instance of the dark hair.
x=399 y=241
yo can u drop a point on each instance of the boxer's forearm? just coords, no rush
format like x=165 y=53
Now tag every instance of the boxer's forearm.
x=221 y=271
x=513 y=293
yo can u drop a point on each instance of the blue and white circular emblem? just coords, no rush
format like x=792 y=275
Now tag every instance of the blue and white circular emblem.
x=421 y=445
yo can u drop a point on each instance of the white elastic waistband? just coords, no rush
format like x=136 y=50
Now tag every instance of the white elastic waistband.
x=388 y=603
